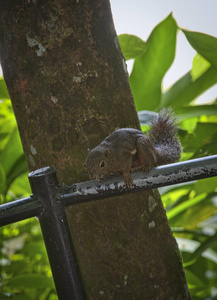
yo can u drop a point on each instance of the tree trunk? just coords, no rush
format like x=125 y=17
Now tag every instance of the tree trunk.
x=69 y=88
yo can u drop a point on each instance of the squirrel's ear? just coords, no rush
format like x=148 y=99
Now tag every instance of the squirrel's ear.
x=106 y=152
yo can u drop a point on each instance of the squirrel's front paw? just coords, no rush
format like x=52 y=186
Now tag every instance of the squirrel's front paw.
x=128 y=182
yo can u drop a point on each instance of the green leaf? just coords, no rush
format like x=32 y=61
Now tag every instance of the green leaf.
x=132 y=46
x=189 y=112
x=185 y=90
x=12 y=152
x=196 y=214
x=18 y=168
x=202 y=248
x=2 y=179
x=3 y=89
x=36 y=281
x=199 y=66
x=184 y=206
x=204 y=44
x=150 y=67
x=20 y=186
x=207 y=185
x=12 y=159
x=193 y=280
x=203 y=136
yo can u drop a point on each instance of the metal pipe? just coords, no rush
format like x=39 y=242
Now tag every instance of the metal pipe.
x=86 y=191
x=18 y=210
x=55 y=230
x=158 y=177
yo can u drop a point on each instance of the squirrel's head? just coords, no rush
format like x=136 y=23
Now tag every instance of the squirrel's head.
x=97 y=163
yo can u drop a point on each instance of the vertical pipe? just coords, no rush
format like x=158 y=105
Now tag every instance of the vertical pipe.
x=55 y=230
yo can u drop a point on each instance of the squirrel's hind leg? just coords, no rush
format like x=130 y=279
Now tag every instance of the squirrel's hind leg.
x=147 y=154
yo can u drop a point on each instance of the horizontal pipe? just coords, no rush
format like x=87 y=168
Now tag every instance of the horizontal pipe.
x=92 y=190
x=19 y=210
x=185 y=171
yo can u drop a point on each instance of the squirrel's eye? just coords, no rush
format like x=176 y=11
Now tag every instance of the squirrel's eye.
x=102 y=164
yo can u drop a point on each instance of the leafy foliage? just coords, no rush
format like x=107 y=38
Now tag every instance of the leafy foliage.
x=24 y=267
x=191 y=208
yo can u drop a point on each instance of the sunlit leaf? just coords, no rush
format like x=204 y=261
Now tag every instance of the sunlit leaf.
x=207 y=185
x=182 y=207
x=3 y=89
x=20 y=186
x=195 y=215
x=189 y=112
x=199 y=66
x=189 y=124
x=185 y=90
x=36 y=281
x=2 y=179
x=132 y=46
x=150 y=67
x=204 y=44
x=203 y=135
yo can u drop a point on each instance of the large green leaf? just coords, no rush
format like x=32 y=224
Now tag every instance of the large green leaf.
x=150 y=67
x=204 y=135
x=184 y=206
x=189 y=112
x=12 y=152
x=204 y=44
x=207 y=185
x=36 y=281
x=12 y=159
x=3 y=89
x=132 y=46
x=185 y=90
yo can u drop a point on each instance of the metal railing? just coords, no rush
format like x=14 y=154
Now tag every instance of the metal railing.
x=49 y=199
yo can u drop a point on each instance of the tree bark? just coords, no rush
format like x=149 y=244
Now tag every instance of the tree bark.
x=69 y=87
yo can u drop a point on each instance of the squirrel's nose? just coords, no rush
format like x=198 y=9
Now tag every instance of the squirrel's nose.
x=94 y=176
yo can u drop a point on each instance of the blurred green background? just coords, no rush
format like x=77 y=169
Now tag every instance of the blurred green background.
x=191 y=207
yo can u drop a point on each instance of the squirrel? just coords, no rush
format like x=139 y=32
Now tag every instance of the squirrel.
x=127 y=148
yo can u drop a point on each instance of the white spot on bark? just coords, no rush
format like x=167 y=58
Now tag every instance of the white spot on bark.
x=151 y=225
x=33 y=150
x=77 y=79
x=54 y=99
x=125 y=279
x=152 y=203
x=101 y=293
x=40 y=50
x=78 y=63
x=32 y=42
x=31 y=159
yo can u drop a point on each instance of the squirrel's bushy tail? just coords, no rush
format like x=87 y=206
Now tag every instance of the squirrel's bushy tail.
x=163 y=134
